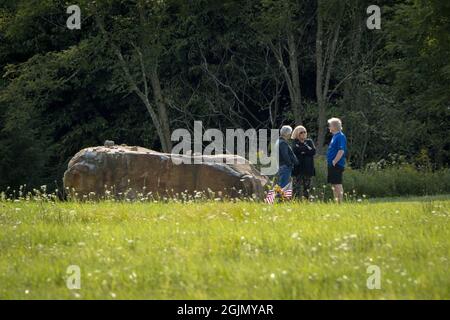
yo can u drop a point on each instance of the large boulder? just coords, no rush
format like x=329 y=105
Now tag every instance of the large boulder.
x=125 y=171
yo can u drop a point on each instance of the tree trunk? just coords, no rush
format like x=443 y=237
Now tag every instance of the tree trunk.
x=319 y=80
x=166 y=142
x=296 y=97
x=159 y=116
x=324 y=66
x=162 y=123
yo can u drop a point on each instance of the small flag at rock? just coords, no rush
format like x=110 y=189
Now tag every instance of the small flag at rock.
x=270 y=197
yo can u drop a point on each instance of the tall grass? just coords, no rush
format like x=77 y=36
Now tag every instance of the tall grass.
x=223 y=250
x=389 y=181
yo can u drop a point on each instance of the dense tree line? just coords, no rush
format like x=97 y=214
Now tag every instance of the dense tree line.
x=137 y=70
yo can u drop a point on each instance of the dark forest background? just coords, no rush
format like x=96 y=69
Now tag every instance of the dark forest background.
x=137 y=70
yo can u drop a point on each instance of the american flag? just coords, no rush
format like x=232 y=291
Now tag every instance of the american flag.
x=270 y=197
x=285 y=194
x=287 y=191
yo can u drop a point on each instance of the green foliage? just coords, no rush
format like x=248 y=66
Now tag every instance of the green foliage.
x=401 y=181
x=63 y=90
x=390 y=178
x=419 y=44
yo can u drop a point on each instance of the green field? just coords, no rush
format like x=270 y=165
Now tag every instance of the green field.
x=225 y=250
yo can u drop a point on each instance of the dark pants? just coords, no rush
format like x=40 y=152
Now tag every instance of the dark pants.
x=335 y=174
x=302 y=183
x=284 y=175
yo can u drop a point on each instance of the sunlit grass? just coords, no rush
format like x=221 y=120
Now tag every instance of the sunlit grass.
x=224 y=250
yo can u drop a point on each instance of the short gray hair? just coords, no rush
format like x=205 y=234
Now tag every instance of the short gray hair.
x=336 y=122
x=285 y=130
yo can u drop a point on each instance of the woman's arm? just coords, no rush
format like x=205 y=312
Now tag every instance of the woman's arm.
x=298 y=150
x=311 y=148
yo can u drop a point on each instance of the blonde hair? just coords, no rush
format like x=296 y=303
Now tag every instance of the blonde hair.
x=295 y=133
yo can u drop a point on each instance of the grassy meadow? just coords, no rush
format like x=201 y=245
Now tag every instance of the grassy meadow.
x=225 y=250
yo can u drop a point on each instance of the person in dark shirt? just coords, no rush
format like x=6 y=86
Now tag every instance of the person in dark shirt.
x=304 y=150
x=286 y=157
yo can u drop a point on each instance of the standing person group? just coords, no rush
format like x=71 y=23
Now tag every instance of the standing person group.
x=296 y=160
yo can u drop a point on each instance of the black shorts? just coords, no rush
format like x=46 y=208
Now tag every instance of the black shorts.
x=335 y=174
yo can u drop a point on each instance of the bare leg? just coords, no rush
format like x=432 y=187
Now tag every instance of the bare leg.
x=338 y=192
